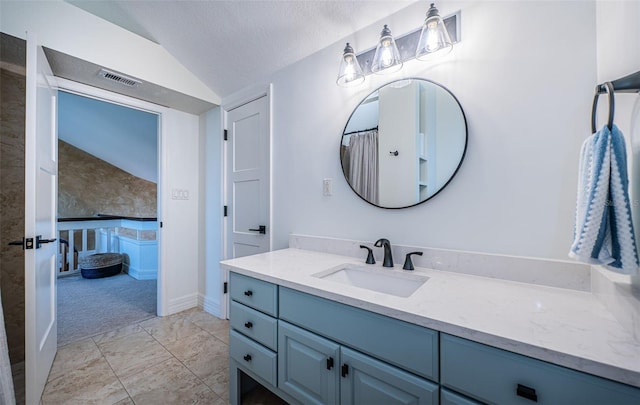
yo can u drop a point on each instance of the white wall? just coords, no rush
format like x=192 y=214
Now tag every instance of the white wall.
x=618 y=47
x=524 y=74
x=68 y=29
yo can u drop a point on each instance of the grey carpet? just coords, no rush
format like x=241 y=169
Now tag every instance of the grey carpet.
x=87 y=307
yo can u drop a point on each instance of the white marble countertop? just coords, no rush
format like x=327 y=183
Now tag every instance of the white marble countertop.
x=565 y=327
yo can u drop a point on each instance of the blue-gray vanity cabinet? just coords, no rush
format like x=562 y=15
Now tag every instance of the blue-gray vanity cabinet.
x=253 y=334
x=253 y=356
x=254 y=293
x=366 y=380
x=315 y=370
x=408 y=346
x=253 y=324
x=307 y=365
x=497 y=376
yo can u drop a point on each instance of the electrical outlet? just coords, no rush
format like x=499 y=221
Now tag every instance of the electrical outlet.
x=327 y=189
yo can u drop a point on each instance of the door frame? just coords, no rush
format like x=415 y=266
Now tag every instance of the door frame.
x=229 y=103
x=69 y=86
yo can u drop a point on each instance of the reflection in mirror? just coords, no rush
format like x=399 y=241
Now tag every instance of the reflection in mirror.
x=403 y=143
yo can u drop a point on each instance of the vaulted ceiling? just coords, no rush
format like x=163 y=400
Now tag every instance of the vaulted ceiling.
x=229 y=45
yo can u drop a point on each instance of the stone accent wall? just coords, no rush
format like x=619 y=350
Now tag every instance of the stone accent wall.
x=88 y=186
x=12 y=116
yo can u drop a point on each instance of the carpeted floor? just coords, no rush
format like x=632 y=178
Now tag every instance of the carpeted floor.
x=87 y=307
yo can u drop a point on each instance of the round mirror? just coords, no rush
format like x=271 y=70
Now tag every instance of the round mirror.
x=403 y=143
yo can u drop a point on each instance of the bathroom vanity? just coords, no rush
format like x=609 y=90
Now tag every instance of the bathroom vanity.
x=319 y=328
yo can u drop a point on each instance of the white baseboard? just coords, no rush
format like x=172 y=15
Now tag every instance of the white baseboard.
x=209 y=305
x=182 y=303
x=141 y=274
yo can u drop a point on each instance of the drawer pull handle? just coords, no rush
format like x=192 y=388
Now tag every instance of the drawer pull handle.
x=248 y=325
x=329 y=363
x=247 y=357
x=345 y=370
x=248 y=293
x=526 y=392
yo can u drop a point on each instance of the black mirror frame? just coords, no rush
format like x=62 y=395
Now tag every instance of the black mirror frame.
x=464 y=151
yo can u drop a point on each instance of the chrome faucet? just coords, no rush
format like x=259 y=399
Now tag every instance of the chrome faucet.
x=388 y=258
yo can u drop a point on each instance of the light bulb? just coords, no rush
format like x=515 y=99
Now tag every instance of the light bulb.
x=434 y=36
x=387 y=57
x=350 y=73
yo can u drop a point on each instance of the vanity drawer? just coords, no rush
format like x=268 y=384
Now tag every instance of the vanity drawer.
x=405 y=345
x=254 y=293
x=451 y=398
x=498 y=376
x=256 y=325
x=253 y=356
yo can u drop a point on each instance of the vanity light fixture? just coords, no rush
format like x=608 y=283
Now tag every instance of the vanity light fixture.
x=350 y=73
x=434 y=38
x=387 y=57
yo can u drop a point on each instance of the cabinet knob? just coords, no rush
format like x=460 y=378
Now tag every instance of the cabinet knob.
x=248 y=293
x=329 y=363
x=344 y=371
x=248 y=325
x=527 y=392
x=247 y=357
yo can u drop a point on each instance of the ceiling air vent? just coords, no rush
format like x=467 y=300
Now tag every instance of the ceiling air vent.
x=118 y=78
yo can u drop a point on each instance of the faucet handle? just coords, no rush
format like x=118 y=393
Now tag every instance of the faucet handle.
x=408 y=264
x=370 y=259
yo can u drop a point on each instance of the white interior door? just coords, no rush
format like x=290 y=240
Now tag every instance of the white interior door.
x=41 y=170
x=248 y=186
x=248 y=177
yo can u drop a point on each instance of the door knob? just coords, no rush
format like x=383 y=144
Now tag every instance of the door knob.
x=261 y=229
x=40 y=241
x=26 y=243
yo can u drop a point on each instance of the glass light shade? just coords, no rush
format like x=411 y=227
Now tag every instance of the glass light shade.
x=387 y=58
x=350 y=73
x=434 y=37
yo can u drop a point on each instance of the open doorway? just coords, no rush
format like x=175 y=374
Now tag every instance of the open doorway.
x=107 y=207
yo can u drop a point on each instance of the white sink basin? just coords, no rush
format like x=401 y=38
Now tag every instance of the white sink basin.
x=375 y=279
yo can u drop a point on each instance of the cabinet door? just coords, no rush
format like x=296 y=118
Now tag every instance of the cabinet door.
x=372 y=382
x=307 y=365
x=497 y=376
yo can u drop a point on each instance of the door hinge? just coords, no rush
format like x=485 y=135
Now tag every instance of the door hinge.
x=226 y=134
x=225 y=287
x=160 y=224
x=225 y=213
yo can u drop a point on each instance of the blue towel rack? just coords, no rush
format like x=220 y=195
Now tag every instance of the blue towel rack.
x=627 y=84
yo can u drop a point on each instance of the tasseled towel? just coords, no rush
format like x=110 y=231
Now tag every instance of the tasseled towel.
x=604 y=229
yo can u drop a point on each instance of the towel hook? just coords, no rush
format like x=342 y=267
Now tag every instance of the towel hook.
x=609 y=90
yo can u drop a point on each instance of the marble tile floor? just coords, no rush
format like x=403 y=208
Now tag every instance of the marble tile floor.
x=178 y=359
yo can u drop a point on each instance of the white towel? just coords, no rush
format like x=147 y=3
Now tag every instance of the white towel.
x=604 y=229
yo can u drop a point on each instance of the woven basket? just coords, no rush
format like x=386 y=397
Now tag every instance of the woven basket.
x=101 y=265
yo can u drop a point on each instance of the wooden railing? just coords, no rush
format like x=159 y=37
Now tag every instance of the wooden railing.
x=80 y=237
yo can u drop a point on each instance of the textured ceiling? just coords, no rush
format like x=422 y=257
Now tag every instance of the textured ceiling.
x=229 y=45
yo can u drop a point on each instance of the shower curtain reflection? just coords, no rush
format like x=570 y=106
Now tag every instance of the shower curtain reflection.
x=360 y=164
